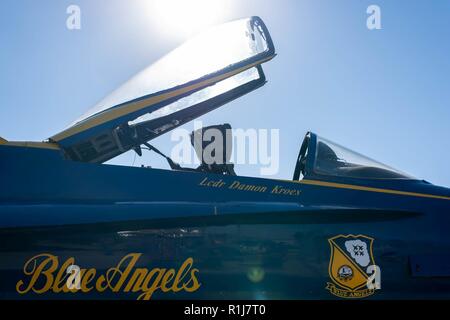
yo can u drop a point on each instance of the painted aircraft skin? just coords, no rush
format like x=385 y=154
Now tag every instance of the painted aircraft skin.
x=250 y=238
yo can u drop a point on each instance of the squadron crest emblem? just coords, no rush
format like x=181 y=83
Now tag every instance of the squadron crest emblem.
x=352 y=267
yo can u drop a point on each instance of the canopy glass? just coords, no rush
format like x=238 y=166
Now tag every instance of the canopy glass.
x=335 y=160
x=211 y=51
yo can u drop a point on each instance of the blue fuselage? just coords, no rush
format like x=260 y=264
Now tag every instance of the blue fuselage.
x=248 y=237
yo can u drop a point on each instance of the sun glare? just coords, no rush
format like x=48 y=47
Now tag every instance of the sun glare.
x=185 y=18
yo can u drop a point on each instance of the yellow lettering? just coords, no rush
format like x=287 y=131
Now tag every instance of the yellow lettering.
x=46 y=268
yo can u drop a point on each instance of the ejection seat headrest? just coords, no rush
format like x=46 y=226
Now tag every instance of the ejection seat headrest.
x=221 y=135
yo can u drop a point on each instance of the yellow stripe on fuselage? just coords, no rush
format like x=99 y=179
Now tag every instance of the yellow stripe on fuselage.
x=32 y=144
x=370 y=189
x=135 y=106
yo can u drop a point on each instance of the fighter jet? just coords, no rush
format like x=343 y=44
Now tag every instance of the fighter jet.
x=343 y=227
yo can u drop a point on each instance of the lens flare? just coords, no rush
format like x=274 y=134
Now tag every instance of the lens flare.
x=185 y=18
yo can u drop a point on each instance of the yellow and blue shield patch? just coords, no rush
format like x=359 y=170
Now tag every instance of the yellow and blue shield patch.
x=349 y=261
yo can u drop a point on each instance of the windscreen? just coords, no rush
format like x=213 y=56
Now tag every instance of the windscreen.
x=335 y=160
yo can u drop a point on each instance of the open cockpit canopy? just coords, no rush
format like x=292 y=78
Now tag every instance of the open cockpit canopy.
x=213 y=68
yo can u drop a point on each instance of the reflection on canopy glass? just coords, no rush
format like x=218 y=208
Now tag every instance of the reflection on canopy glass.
x=335 y=160
x=201 y=95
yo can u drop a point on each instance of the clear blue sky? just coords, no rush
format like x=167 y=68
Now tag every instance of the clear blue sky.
x=384 y=93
